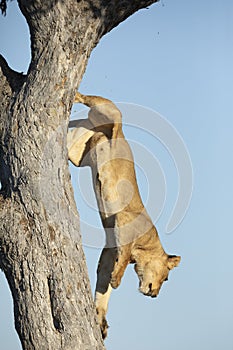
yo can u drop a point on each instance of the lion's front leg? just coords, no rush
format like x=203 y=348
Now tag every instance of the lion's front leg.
x=103 y=287
x=121 y=263
x=101 y=303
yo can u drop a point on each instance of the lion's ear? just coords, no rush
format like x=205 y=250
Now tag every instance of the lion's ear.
x=173 y=261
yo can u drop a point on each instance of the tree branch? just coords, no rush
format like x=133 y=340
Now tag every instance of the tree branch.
x=5 y=87
x=14 y=79
x=106 y=14
x=10 y=81
x=123 y=9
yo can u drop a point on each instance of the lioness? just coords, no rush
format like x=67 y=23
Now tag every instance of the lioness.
x=131 y=237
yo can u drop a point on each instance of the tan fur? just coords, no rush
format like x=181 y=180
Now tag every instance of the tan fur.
x=131 y=237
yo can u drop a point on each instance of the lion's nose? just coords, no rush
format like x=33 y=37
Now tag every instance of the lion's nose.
x=150 y=287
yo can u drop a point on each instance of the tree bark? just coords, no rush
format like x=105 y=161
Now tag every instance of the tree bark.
x=40 y=247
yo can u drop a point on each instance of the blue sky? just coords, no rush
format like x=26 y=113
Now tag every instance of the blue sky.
x=174 y=58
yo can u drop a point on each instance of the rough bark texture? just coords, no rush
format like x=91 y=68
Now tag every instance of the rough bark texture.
x=40 y=247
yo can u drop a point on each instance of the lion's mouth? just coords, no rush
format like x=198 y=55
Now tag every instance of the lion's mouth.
x=148 y=291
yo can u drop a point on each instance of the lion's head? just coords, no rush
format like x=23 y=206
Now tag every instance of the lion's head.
x=153 y=272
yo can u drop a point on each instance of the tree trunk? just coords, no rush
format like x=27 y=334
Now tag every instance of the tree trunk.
x=40 y=246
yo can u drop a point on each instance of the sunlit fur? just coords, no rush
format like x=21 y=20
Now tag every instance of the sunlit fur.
x=131 y=237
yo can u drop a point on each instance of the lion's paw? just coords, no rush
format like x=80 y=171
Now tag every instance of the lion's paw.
x=115 y=281
x=102 y=322
x=104 y=328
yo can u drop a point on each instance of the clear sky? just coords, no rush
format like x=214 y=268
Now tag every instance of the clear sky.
x=174 y=58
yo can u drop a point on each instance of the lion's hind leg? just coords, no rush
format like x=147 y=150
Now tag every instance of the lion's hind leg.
x=103 y=114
